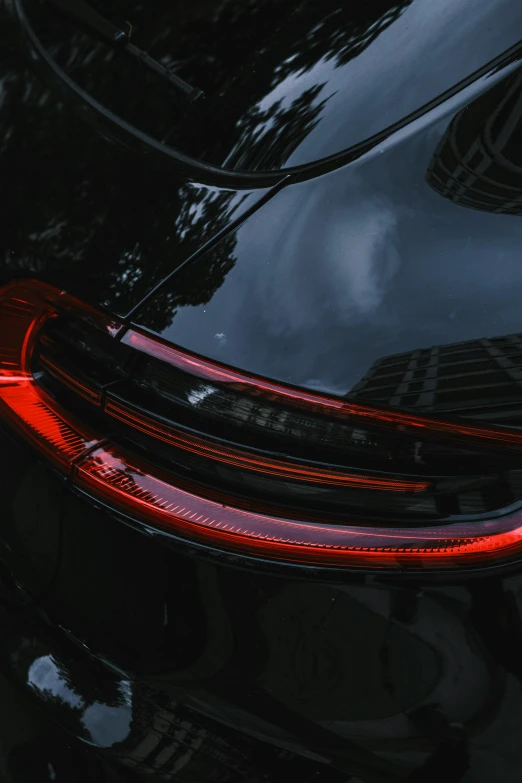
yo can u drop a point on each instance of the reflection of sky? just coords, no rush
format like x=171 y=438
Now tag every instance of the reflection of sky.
x=105 y=724
x=44 y=676
x=362 y=263
x=401 y=69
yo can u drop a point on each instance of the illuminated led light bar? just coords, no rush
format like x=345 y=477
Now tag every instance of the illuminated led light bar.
x=83 y=389
x=26 y=408
x=117 y=478
x=24 y=308
x=316 y=402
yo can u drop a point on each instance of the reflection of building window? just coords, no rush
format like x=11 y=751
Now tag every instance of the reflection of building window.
x=478 y=163
x=482 y=378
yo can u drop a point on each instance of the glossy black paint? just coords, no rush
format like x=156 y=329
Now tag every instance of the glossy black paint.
x=197 y=668
x=379 y=264
x=154 y=659
x=96 y=219
x=277 y=81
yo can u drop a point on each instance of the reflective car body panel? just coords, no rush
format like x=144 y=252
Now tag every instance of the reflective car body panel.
x=99 y=220
x=390 y=274
x=197 y=668
x=282 y=87
x=397 y=269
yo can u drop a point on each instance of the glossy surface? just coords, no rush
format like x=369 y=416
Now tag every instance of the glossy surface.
x=88 y=215
x=149 y=658
x=36 y=318
x=375 y=282
x=282 y=86
x=300 y=398
x=377 y=681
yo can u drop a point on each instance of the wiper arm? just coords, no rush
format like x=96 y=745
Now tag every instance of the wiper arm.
x=113 y=36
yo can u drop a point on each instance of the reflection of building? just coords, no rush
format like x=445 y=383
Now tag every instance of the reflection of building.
x=478 y=163
x=482 y=378
x=171 y=742
x=166 y=743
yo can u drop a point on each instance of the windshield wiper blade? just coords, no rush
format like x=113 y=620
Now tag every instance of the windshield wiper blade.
x=83 y=13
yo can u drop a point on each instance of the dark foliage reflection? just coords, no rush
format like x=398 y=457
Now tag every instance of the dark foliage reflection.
x=79 y=209
x=247 y=57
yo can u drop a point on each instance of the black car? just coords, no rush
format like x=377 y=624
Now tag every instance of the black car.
x=261 y=391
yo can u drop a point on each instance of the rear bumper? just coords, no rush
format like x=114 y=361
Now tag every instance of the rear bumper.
x=75 y=714
x=146 y=660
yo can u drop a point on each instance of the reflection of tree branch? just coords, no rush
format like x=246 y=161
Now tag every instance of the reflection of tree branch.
x=100 y=221
x=194 y=285
x=238 y=51
x=276 y=132
x=111 y=225
x=345 y=31
x=334 y=30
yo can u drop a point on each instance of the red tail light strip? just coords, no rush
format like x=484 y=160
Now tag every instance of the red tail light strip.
x=83 y=389
x=26 y=408
x=321 y=403
x=115 y=477
x=24 y=307
x=145 y=493
x=26 y=404
x=251 y=461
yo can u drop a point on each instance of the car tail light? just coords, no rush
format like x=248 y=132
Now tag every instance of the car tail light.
x=116 y=477
x=243 y=464
x=251 y=461
x=24 y=309
x=335 y=407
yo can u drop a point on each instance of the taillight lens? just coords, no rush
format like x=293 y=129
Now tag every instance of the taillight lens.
x=117 y=478
x=245 y=464
x=24 y=309
x=42 y=423
x=335 y=407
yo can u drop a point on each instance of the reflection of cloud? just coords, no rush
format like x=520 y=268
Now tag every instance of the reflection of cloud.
x=362 y=257
x=351 y=257
x=316 y=262
x=364 y=262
